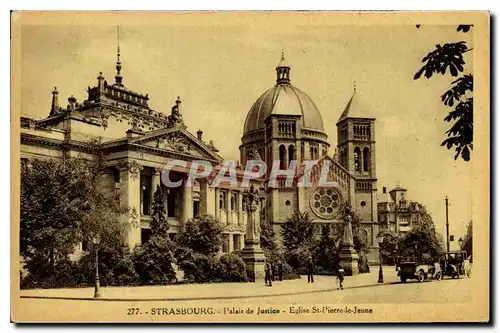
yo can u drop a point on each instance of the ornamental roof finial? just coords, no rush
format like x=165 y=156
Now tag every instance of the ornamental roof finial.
x=118 y=77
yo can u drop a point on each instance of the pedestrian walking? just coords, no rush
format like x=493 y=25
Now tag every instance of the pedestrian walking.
x=310 y=270
x=280 y=270
x=268 y=274
x=340 y=277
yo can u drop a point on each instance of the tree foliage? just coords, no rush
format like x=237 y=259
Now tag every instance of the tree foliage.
x=422 y=244
x=62 y=204
x=326 y=251
x=116 y=266
x=467 y=240
x=49 y=219
x=267 y=236
x=388 y=248
x=153 y=260
x=297 y=231
x=450 y=58
x=159 y=224
x=202 y=235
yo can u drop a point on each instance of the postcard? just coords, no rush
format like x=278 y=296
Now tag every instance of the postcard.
x=256 y=167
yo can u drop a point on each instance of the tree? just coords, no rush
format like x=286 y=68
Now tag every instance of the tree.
x=467 y=241
x=389 y=246
x=159 y=223
x=425 y=219
x=116 y=266
x=62 y=205
x=450 y=57
x=297 y=231
x=267 y=236
x=268 y=243
x=326 y=251
x=422 y=244
x=153 y=260
x=202 y=235
x=49 y=220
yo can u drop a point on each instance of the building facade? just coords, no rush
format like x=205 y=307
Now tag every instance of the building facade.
x=283 y=125
x=397 y=213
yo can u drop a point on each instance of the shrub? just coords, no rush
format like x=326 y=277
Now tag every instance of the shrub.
x=298 y=259
x=116 y=266
x=202 y=235
x=289 y=273
x=201 y=268
x=66 y=274
x=232 y=269
x=153 y=261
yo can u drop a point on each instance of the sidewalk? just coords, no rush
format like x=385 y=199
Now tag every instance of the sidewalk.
x=214 y=291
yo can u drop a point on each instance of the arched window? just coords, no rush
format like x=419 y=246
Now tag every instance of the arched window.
x=282 y=157
x=291 y=153
x=357 y=156
x=366 y=159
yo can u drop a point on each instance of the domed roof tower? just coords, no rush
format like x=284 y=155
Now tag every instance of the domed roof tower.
x=283 y=123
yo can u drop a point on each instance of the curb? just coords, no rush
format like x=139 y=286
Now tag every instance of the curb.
x=104 y=299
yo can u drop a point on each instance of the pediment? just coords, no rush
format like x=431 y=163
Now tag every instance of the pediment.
x=177 y=141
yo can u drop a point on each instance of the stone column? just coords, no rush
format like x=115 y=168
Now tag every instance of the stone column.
x=155 y=181
x=217 y=207
x=348 y=255
x=203 y=196
x=229 y=218
x=240 y=207
x=230 y=245
x=130 y=195
x=187 y=202
x=252 y=254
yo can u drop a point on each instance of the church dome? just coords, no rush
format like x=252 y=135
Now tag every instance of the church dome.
x=283 y=99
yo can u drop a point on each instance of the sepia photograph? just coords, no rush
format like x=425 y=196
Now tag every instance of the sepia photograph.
x=257 y=167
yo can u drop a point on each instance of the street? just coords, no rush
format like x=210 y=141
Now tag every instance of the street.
x=433 y=292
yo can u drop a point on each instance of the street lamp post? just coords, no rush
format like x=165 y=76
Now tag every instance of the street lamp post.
x=97 y=290
x=380 y=240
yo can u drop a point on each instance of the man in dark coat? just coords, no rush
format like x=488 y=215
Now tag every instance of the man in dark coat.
x=268 y=274
x=280 y=270
x=310 y=270
x=340 y=277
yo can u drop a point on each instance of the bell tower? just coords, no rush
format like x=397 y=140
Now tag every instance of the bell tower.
x=356 y=142
x=356 y=153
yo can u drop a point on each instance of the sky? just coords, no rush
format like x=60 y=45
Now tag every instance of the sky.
x=219 y=69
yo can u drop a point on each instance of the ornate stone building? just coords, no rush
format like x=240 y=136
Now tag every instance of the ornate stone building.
x=283 y=124
x=398 y=213
x=137 y=143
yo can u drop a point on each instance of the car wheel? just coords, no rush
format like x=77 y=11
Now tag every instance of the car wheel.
x=420 y=276
x=439 y=276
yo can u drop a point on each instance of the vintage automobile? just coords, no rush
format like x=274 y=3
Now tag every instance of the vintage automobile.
x=420 y=272
x=456 y=264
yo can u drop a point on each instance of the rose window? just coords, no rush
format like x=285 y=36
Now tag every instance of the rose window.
x=325 y=202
